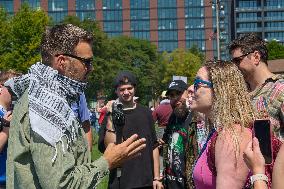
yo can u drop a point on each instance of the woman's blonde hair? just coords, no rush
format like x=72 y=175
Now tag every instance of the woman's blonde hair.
x=231 y=101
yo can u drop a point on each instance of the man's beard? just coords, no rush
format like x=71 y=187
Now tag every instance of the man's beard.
x=181 y=111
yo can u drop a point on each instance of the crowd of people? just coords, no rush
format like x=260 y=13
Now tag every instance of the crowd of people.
x=201 y=135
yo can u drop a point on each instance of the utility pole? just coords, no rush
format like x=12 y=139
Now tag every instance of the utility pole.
x=218 y=29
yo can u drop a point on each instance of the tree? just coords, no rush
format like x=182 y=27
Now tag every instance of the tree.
x=181 y=62
x=275 y=50
x=24 y=32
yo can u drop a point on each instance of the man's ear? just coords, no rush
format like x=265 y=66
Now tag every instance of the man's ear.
x=256 y=57
x=60 y=64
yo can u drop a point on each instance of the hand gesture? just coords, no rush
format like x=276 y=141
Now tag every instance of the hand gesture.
x=117 y=154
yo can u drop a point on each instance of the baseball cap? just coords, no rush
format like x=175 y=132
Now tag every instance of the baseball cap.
x=125 y=78
x=178 y=85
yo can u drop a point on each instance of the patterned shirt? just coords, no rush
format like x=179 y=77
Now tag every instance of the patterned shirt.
x=30 y=165
x=268 y=100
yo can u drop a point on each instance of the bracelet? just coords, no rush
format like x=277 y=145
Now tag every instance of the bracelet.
x=257 y=177
x=111 y=131
x=157 y=179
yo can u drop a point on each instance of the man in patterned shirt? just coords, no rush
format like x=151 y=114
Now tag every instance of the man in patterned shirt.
x=250 y=54
x=47 y=144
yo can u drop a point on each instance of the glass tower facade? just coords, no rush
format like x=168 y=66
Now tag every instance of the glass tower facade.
x=85 y=9
x=140 y=19
x=194 y=23
x=57 y=9
x=167 y=25
x=8 y=5
x=112 y=17
x=264 y=17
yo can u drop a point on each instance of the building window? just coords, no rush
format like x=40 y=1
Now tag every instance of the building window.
x=194 y=24
x=57 y=9
x=167 y=25
x=278 y=36
x=8 y=5
x=193 y=3
x=85 y=9
x=140 y=19
x=274 y=3
x=139 y=4
x=35 y=4
x=112 y=13
x=248 y=3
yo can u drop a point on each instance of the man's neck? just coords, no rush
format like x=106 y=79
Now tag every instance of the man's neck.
x=259 y=77
x=129 y=105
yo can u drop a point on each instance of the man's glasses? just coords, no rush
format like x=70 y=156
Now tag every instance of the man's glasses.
x=237 y=60
x=199 y=81
x=86 y=61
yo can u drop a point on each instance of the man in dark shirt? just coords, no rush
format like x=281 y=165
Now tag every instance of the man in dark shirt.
x=142 y=171
x=176 y=136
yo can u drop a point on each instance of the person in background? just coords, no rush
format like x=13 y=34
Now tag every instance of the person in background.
x=177 y=137
x=162 y=113
x=250 y=54
x=143 y=171
x=82 y=112
x=5 y=118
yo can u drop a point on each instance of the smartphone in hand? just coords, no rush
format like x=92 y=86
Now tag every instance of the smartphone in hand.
x=262 y=131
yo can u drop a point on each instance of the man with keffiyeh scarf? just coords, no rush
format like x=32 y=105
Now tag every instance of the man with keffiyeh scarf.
x=47 y=147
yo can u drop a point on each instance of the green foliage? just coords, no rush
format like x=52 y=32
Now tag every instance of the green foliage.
x=20 y=46
x=181 y=62
x=275 y=50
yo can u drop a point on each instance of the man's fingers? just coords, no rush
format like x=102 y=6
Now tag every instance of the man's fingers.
x=130 y=140
x=136 y=150
x=135 y=144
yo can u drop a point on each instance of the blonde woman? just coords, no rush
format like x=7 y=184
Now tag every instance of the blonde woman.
x=220 y=93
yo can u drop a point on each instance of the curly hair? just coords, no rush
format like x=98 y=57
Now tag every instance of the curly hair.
x=249 y=43
x=61 y=39
x=5 y=75
x=231 y=100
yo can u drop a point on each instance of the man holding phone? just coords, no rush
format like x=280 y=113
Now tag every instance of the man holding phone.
x=250 y=54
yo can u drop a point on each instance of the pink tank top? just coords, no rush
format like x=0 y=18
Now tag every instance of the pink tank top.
x=203 y=174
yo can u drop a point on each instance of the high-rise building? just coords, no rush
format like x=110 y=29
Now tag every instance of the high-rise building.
x=264 y=17
x=169 y=24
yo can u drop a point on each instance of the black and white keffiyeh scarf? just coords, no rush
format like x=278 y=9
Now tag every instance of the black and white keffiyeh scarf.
x=50 y=95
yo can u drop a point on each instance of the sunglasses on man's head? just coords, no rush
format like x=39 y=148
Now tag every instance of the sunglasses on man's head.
x=86 y=61
x=198 y=81
x=237 y=60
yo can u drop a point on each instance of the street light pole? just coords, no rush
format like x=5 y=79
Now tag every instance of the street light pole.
x=218 y=29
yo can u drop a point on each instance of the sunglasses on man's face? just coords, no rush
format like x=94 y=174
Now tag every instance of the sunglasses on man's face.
x=237 y=60
x=198 y=83
x=88 y=62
